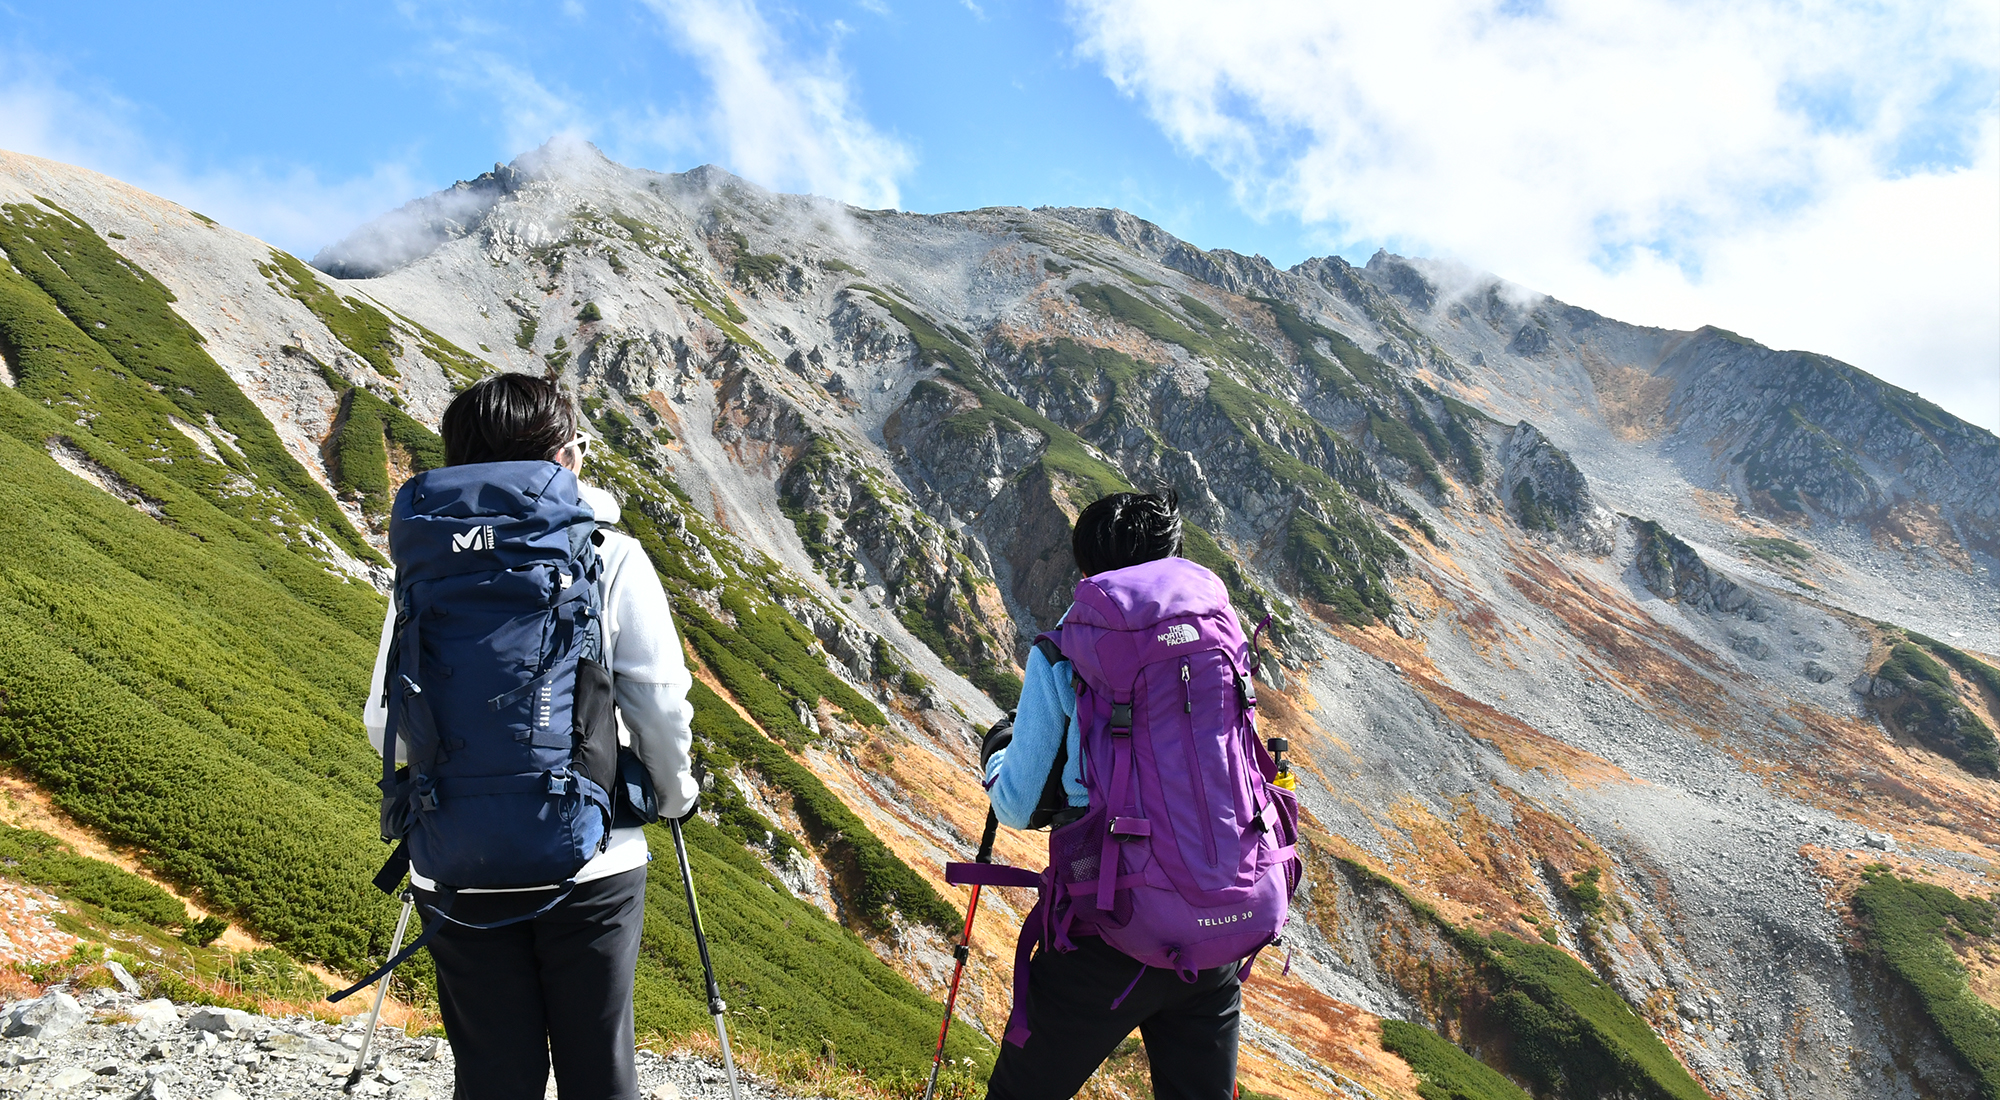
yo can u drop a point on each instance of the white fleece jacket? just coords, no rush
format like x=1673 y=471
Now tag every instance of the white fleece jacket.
x=649 y=679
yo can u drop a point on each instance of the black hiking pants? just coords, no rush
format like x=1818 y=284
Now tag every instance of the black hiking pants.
x=557 y=987
x=1189 y=1027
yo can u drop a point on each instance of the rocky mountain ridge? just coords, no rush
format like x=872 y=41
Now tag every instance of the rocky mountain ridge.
x=1567 y=610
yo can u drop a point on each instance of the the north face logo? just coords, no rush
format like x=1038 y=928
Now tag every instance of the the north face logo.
x=1179 y=635
x=479 y=538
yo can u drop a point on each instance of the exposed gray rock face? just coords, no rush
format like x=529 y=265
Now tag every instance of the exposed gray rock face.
x=1811 y=435
x=1674 y=571
x=863 y=531
x=957 y=430
x=984 y=470
x=1232 y=271
x=417 y=228
x=1403 y=280
x=122 y=976
x=1530 y=340
x=1546 y=492
x=635 y=363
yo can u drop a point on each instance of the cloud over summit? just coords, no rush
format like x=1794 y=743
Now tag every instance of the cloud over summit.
x=784 y=118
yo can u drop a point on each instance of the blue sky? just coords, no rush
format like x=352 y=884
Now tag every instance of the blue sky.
x=1819 y=175
x=994 y=107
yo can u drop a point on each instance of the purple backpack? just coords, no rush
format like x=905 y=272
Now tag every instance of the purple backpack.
x=1181 y=799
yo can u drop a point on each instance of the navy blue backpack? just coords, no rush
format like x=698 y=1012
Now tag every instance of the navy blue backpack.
x=496 y=678
x=497 y=684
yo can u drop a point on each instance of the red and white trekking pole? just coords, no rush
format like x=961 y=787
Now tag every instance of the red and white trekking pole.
x=963 y=949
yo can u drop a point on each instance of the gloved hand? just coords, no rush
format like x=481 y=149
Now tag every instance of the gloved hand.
x=997 y=738
x=693 y=809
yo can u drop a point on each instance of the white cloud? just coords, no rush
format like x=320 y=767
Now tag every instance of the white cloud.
x=529 y=111
x=47 y=112
x=784 y=119
x=1811 y=174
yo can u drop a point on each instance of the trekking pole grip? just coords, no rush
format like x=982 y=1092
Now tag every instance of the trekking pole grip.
x=986 y=839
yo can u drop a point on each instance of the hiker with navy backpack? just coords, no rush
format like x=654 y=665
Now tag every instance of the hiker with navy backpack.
x=1172 y=858
x=534 y=687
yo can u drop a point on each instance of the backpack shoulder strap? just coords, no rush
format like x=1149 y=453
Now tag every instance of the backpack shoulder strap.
x=1054 y=800
x=1047 y=644
x=1050 y=650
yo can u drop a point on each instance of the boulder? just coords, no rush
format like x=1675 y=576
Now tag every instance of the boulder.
x=48 y=1015
x=123 y=977
x=69 y=1078
x=286 y=1044
x=212 y=1018
x=154 y=1018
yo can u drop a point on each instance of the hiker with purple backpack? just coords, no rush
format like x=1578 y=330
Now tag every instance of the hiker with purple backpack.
x=1135 y=739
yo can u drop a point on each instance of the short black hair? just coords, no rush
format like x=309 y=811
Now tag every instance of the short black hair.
x=1127 y=529
x=507 y=418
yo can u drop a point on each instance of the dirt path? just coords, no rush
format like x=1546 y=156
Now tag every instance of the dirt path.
x=25 y=806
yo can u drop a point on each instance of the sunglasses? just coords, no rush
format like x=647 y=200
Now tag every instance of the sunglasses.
x=581 y=445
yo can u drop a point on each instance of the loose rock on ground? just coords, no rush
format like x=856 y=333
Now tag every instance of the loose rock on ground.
x=109 y=1043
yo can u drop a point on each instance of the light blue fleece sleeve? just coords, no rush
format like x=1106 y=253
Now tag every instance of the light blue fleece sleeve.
x=1043 y=719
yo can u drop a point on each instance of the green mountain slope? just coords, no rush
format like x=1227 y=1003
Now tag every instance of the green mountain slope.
x=183 y=675
x=95 y=335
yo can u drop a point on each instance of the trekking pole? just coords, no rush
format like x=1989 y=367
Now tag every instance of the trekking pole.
x=963 y=949
x=381 y=991
x=715 y=1005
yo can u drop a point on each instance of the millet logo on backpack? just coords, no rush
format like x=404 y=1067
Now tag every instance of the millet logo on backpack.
x=479 y=538
x=1179 y=635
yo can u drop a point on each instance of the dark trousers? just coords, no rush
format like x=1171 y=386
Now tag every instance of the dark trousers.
x=558 y=986
x=1189 y=1027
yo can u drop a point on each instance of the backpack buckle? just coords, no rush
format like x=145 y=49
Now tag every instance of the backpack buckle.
x=427 y=798
x=1247 y=689
x=558 y=784
x=1121 y=719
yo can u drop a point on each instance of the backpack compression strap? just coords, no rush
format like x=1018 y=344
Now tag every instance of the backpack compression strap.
x=1122 y=828
x=442 y=912
x=989 y=874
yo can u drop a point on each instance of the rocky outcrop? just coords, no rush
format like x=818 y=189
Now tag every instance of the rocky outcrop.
x=863 y=530
x=987 y=469
x=1403 y=280
x=417 y=228
x=1231 y=271
x=1546 y=492
x=1913 y=695
x=966 y=456
x=1811 y=436
x=1674 y=571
